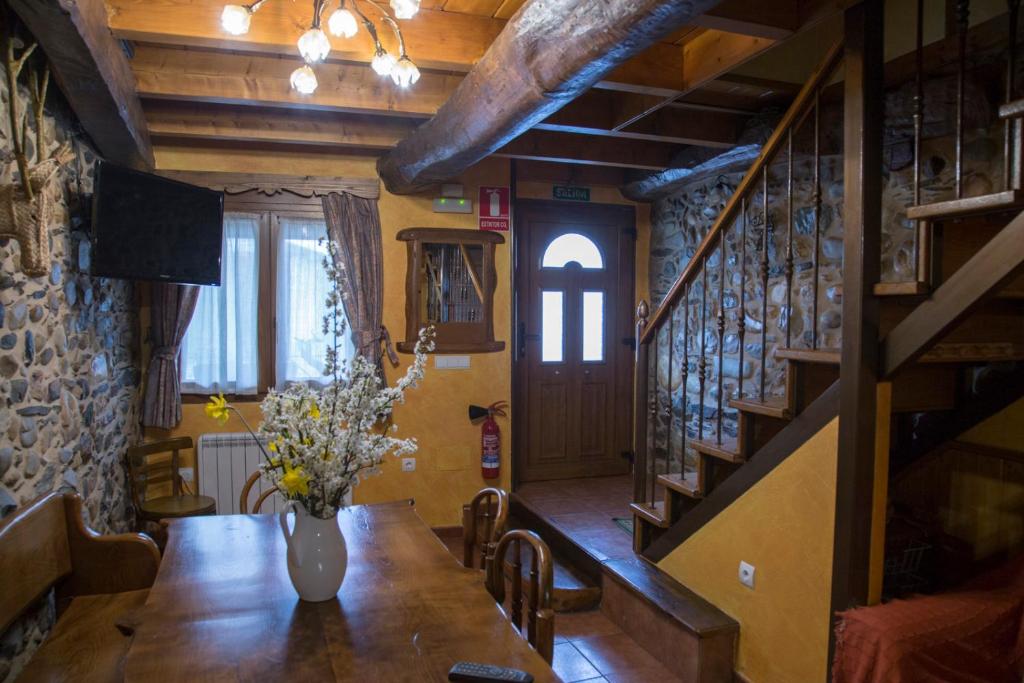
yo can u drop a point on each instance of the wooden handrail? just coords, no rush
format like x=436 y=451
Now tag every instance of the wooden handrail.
x=792 y=116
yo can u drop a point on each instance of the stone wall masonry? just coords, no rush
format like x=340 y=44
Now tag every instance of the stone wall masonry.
x=69 y=377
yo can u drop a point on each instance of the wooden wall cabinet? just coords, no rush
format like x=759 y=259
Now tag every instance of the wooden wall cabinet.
x=450 y=284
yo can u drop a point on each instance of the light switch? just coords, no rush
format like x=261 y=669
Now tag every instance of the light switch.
x=451 y=362
x=747 y=574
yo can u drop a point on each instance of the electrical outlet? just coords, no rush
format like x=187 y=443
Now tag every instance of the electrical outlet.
x=408 y=464
x=747 y=574
x=185 y=473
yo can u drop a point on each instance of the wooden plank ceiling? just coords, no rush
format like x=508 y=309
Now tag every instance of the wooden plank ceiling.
x=200 y=84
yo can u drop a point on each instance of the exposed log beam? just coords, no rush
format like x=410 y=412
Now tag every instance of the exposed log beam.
x=93 y=73
x=190 y=121
x=549 y=53
x=228 y=78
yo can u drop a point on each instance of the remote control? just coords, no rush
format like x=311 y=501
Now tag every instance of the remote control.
x=471 y=671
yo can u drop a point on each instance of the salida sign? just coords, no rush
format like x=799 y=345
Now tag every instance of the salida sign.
x=493 y=207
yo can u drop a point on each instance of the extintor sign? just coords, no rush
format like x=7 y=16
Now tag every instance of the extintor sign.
x=493 y=207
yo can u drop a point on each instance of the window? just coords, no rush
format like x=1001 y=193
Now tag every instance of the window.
x=226 y=347
x=593 y=326
x=572 y=247
x=551 y=333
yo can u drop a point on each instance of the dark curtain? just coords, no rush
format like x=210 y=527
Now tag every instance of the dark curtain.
x=353 y=224
x=171 y=310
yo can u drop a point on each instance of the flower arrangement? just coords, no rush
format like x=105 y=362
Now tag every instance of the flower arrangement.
x=323 y=439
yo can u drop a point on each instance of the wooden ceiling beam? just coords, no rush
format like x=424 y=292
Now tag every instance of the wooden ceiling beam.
x=550 y=52
x=246 y=79
x=434 y=39
x=540 y=145
x=774 y=20
x=188 y=121
x=92 y=71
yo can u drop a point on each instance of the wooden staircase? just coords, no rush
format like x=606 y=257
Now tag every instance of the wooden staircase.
x=963 y=306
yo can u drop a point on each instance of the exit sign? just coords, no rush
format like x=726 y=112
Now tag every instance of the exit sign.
x=571 y=193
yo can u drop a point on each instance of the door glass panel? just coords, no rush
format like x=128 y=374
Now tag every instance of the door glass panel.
x=571 y=247
x=593 y=326
x=551 y=333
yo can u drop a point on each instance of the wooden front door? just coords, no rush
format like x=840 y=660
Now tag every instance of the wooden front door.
x=574 y=297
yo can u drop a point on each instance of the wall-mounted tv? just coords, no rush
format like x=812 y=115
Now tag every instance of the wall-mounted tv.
x=145 y=227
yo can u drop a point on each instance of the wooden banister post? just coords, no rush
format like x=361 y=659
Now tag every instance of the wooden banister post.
x=640 y=405
x=859 y=369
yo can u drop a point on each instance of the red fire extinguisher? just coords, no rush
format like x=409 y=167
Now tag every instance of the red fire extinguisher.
x=490 y=437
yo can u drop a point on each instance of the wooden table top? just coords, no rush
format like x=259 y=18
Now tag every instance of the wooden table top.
x=223 y=608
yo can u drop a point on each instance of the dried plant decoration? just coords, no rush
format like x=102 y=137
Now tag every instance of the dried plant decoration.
x=25 y=207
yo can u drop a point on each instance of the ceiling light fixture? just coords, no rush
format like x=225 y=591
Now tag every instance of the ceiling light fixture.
x=314 y=45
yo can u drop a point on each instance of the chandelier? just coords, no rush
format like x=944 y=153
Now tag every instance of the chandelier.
x=314 y=45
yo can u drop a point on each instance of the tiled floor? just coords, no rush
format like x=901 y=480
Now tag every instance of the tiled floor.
x=589 y=646
x=583 y=510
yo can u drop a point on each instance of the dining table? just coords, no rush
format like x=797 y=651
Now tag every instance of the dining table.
x=222 y=607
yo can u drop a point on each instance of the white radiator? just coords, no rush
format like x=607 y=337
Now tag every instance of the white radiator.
x=225 y=462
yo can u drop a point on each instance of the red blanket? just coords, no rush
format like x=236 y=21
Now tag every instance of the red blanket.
x=971 y=636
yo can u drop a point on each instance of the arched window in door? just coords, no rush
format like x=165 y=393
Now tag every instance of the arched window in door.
x=572 y=247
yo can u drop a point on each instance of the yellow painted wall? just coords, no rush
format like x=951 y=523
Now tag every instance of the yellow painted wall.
x=784 y=527
x=448 y=470
x=1005 y=429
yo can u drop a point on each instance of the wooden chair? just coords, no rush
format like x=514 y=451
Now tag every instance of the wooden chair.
x=145 y=469
x=243 y=499
x=489 y=506
x=540 y=617
x=100 y=582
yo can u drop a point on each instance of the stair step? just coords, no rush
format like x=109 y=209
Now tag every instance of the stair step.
x=686 y=483
x=777 y=407
x=968 y=352
x=652 y=514
x=968 y=206
x=823 y=356
x=728 y=450
x=908 y=288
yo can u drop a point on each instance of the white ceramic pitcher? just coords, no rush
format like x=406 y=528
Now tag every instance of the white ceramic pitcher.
x=317 y=555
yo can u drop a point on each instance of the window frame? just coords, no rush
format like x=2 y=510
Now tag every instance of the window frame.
x=270 y=209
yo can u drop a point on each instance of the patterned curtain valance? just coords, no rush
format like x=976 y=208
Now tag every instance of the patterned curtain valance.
x=273 y=184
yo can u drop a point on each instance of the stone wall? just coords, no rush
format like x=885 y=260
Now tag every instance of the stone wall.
x=681 y=219
x=69 y=376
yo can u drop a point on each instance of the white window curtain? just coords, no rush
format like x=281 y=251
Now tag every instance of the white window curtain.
x=302 y=289
x=220 y=351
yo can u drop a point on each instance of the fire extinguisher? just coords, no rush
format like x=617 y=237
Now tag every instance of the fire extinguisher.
x=490 y=437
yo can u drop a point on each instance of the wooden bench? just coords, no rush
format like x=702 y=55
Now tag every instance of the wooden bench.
x=99 y=581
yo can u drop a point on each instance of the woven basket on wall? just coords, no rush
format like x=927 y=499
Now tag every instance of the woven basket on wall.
x=27 y=221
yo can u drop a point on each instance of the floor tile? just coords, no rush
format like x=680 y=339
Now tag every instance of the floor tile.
x=618 y=654
x=572 y=666
x=576 y=625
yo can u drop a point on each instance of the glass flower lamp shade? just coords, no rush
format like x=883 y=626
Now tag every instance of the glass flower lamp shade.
x=235 y=19
x=405 y=9
x=303 y=80
x=314 y=46
x=382 y=62
x=405 y=72
x=342 y=24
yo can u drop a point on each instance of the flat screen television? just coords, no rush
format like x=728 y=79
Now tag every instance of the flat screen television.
x=146 y=227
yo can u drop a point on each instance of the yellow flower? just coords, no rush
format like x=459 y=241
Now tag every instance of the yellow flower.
x=314 y=411
x=294 y=481
x=218 y=408
x=272 y=446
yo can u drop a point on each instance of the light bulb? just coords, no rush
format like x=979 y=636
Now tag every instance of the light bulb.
x=304 y=80
x=235 y=19
x=382 y=62
x=405 y=9
x=405 y=72
x=342 y=23
x=314 y=46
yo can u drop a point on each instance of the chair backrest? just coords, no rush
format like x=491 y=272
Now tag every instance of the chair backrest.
x=145 y=469
x=34 y=554
x=243 y=499
x=540 y=617
x=483 y=522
